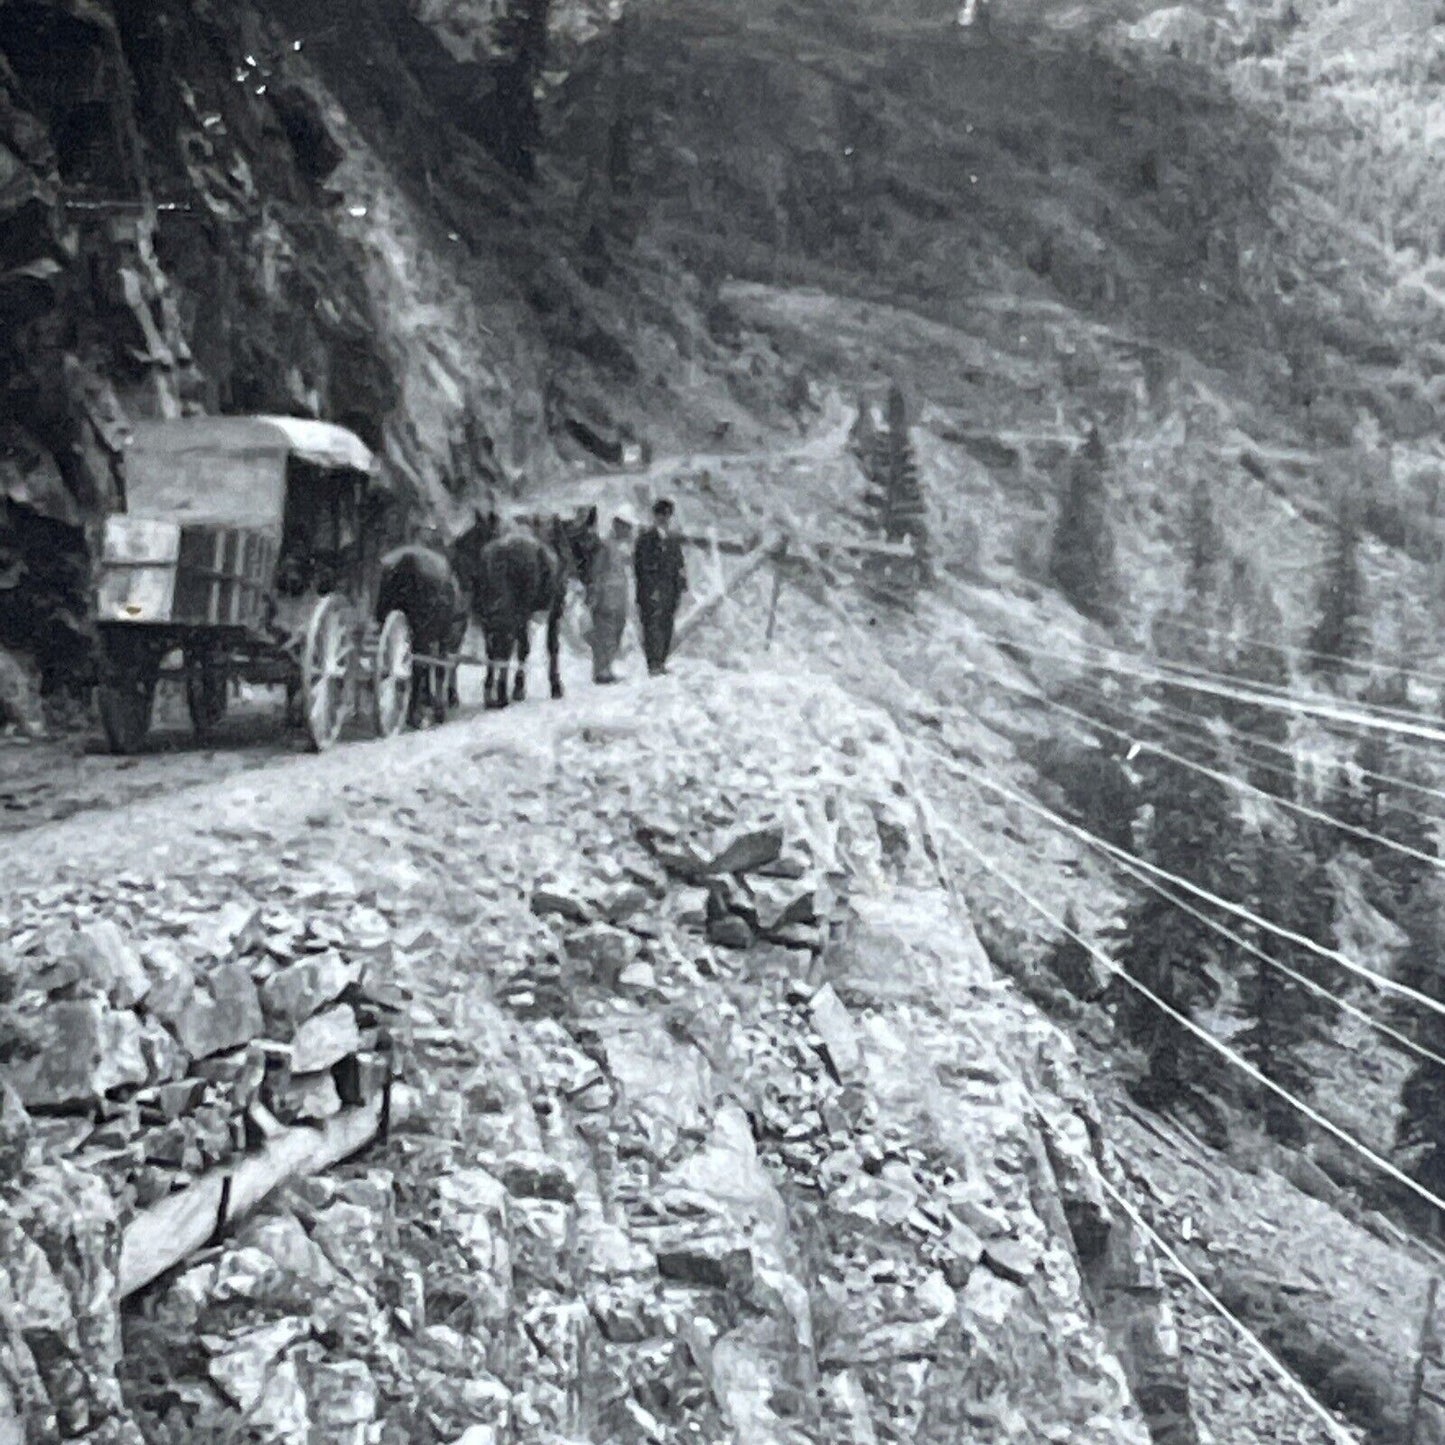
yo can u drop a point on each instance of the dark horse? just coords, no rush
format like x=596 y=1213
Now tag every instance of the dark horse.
x=519 y=574
x=432 y=588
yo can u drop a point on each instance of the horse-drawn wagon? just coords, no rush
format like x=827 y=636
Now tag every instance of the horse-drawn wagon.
x=243 y=555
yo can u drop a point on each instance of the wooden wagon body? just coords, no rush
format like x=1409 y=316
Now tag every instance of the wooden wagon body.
x=242 y=554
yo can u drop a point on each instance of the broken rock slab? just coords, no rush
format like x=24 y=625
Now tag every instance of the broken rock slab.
x=110 y=963
x=748 y=851
x=531 y=1174
x=561 y=901
x=86 y=1050
x=603 y=950
x=296 y=993
x=842 y=1047
x=249 y=1370
x=302 y=1098
x=223 y=1014
x=1011 y=1259
x=710 y=1261
x=324 y=1040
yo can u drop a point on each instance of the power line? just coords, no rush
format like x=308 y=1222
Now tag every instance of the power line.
x=1237 y=783
x=1380 y=662
x=1243 y=738
x=1407 y=726
x=1318 y=989
x=1269 y=689
x=1333 y=1428
x=1179 y=718
x=1204 y=1036
x=1333 y=955
x=1337 y=1432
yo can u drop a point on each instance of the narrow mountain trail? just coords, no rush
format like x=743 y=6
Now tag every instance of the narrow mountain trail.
x=723 y=1131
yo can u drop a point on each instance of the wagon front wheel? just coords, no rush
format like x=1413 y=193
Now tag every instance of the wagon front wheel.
x=126 y=695
x=205 y=694
x=125 y=704
x=392 y=675
x=326 y=673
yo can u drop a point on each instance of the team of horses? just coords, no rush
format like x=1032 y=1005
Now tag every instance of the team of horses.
x=502 y=576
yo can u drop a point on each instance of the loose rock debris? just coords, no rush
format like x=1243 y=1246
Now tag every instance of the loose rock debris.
x=705 y=1152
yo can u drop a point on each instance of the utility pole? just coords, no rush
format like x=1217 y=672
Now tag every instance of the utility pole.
x=1426 y=1343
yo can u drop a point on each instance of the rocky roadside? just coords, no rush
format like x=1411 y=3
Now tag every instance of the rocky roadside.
x=727 y=1130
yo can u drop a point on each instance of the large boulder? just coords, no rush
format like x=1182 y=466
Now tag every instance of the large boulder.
x=221 y=1015
x=86 y=1050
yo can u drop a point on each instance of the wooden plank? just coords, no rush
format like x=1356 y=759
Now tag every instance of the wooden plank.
x=170 y=1231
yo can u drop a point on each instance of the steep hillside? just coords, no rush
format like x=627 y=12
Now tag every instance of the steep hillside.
x=294 y=208
x=870 y=1211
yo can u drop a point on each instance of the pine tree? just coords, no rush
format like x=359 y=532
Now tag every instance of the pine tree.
x=1205 y=544
x=863 y=437
x=1338 y=635
x=1193 y=833
x=1420 y=1133
x=894 y=498
x=1082 y=555
x=521 y=39
x=1256 y=660
x=1292 y=890
x=865 y=444
x=1072 y=963
x=1399 y=820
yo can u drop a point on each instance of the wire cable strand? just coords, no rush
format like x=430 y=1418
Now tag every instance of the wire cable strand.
x=1380 y=662
x=1243 y=739
x=1404 y=726
x=1378 y=980
x=1239 y=784
x=1316 y=988
x=1204 y=1036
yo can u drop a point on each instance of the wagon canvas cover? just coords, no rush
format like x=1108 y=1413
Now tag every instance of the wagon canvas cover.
x=229 y=471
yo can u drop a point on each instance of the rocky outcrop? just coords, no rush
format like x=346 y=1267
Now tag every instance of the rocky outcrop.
x=246 y=208
x=833 y=1184
x=154 y=1054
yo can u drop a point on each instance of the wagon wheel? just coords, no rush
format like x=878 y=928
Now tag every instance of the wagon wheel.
x=125 y=711
x=126 y=696
x=206 y=686
x=391 y=676
x=326 y=658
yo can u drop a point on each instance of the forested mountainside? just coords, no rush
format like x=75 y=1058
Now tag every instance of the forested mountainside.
x=770 y=1051
x=262 y=207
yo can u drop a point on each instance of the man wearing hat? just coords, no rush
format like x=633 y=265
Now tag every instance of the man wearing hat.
x=661 y=581
x=607 y=595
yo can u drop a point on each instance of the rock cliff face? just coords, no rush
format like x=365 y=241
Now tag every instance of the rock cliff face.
x=260 y=207
x=729 y=1131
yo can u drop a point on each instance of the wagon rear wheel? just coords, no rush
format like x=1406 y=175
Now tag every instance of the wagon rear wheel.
x=326 y=657
x=392 y=675
x=205 y=693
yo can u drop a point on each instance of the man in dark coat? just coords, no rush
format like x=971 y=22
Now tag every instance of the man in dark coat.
x=661 y=579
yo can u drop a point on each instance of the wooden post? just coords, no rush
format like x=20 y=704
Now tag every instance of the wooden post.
x=709 y=605
x=171 y=1230
x=777 y=589
x=1417 y=1385
x=720 y=577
